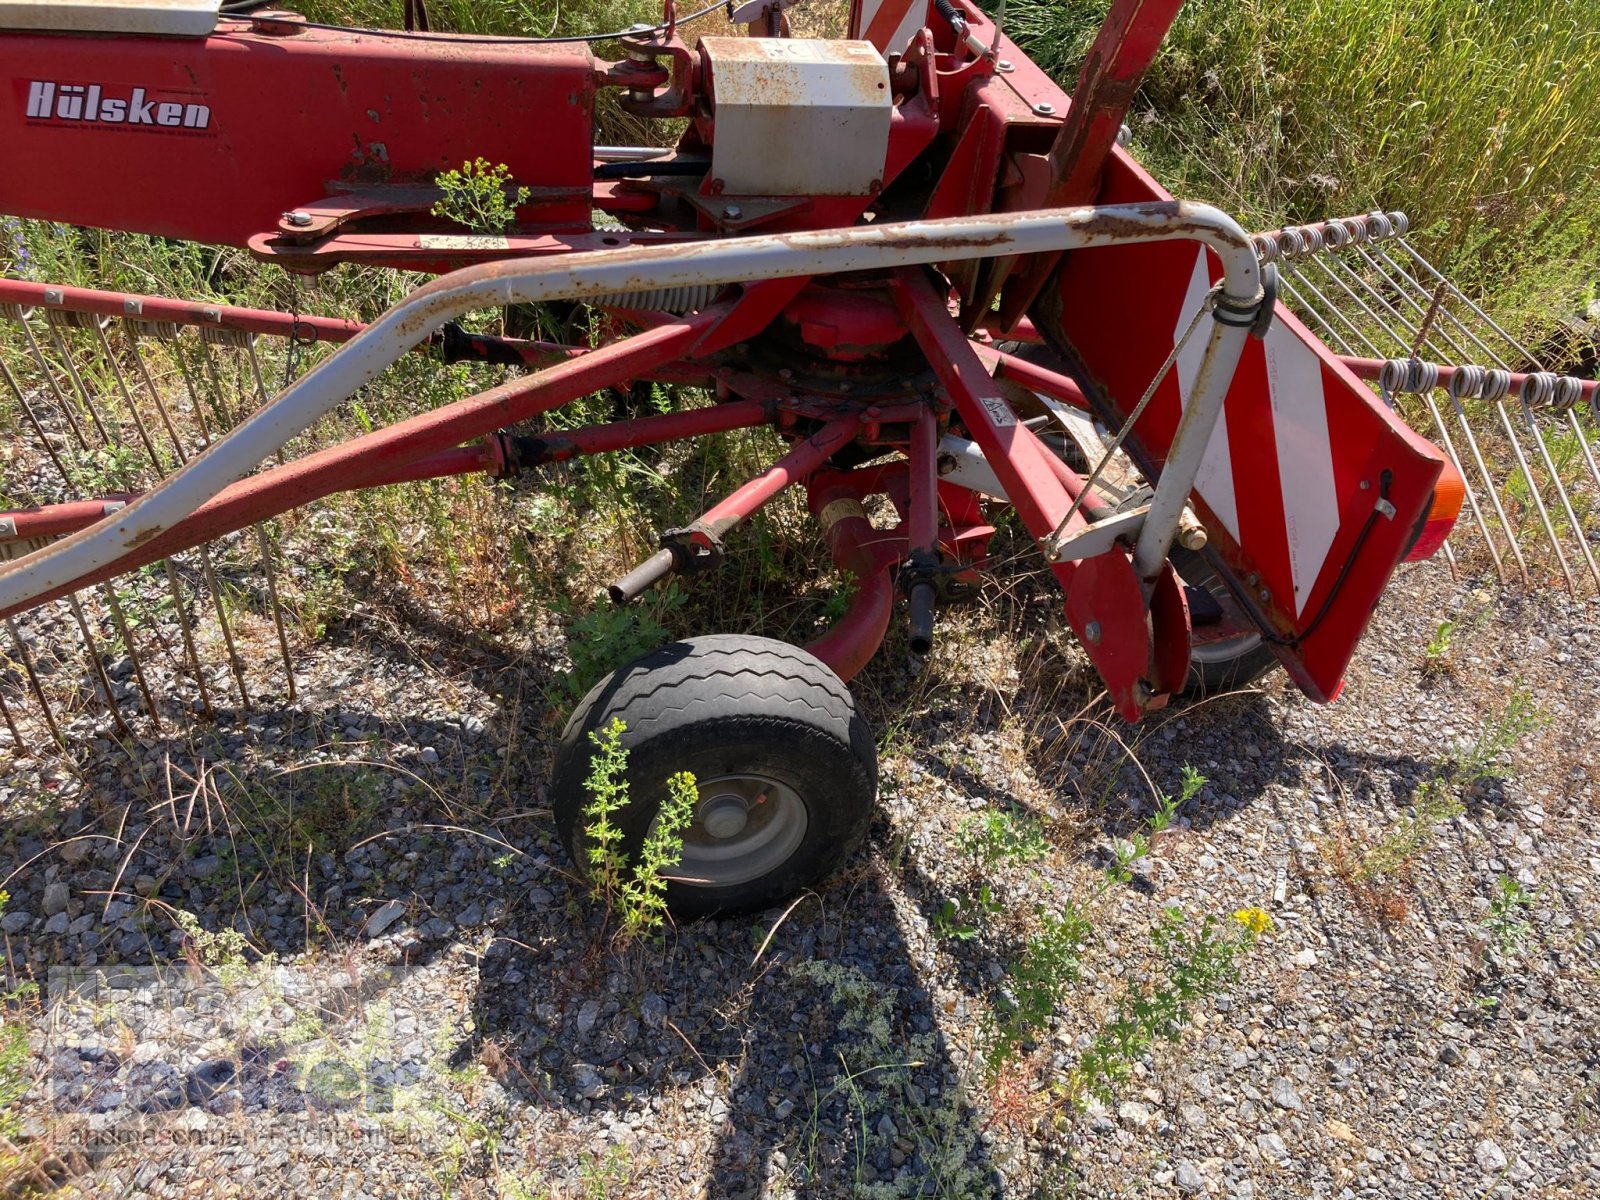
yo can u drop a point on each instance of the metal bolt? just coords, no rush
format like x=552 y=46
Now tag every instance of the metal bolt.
x=1143 y=693
x=1091 y=633
x=1044 y=110
x=1004 y=65
x=732 y=212
x=297 y=218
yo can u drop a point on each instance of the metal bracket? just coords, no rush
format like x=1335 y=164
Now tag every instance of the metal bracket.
x=1099 y=537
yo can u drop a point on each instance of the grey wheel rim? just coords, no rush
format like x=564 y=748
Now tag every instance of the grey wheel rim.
x=1226 y=650
x=744 y=827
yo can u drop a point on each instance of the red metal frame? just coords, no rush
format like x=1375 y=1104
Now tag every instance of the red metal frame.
x=312 y=147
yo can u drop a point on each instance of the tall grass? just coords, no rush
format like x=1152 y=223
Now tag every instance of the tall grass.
x=1478 y=117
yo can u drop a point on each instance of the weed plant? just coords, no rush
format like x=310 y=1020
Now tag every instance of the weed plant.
x=633 y=891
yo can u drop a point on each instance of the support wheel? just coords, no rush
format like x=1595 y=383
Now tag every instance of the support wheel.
x=1221 y=666
x=786 y=768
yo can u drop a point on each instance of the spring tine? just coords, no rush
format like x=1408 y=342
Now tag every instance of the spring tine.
x=16 y=734
x=1533 y=492
x=77 y=380
x=187 y=632
x=277 y=608
x=120 y=620
x=1366 y=286
x=1462 y=384
x=1287 y=272
x=226 y=419
x=33 y=420
x=1583 y=444
x=93 y=649
x=1404 y=290
x=193 y=389
x=20 y=316
x=234 y=661
x=127 y=396
x=1540 y=386
x=26 y=659
x=130 y=332
x=1472 y=499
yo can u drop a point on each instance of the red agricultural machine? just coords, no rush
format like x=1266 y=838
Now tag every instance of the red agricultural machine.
x=936 y=275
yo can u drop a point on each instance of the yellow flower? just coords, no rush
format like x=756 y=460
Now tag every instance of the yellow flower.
x=1256 y=920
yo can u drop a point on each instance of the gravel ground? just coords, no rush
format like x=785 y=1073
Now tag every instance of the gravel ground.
x=422 y=1002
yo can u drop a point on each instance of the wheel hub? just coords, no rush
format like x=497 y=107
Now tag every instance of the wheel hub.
x=724 y=816
x=744 y=827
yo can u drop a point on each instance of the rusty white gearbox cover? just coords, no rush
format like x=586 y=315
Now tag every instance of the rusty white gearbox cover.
x=165 y=18
x=798 y=117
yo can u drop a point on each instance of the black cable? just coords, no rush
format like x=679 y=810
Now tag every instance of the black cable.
x=1384 y=480
x=493 y=40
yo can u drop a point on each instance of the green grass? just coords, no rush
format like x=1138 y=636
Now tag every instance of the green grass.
x=1474 y=116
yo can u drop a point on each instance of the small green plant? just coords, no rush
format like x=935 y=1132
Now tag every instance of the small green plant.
x=1049 y=964
x=636 y=892
x=959 y=920
x=998 y=837
x=605 y=1175
x=222 y=951
x=1437 y=650
x=1374 y=871
x=1128 y=852
x=1507 y=925
x=604 y=638
x=481 y=197
x=13 y=1067
x=1195 y=964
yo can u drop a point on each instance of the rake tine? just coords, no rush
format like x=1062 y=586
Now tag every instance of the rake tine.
x=1472 y=500
x=277 y=607
x=1410 y=375
x=1539 y=388
x=1288 y=272
x=32 y=418
x=222 y=619
x=93 y=649
x=1469 y=383
x=1495 y=388
x=16 y=734
x=187 y=631
x=1583 y=443
x=20 y=315
x=53 y=323
x=127 y=396
x=26 y=659
x=121 y=622
x=130 y=330
x=218 y=392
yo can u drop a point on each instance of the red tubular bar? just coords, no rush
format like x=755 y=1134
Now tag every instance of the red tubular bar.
x=182 y=312
x=868 y=555
x=645 y=431
x=801 y=461
x=382 y=456
x=1036 y=378
x=55 y=520
x=700 y=543
x=1371 y=369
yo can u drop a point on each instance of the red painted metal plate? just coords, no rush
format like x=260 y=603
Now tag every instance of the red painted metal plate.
x=223 y=134
x=1294 y=471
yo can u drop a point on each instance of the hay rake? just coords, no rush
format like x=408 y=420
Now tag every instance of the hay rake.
x=936 y=276
x=1401 y=324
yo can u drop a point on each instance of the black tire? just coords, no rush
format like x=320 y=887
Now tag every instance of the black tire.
x=745 y=715
x=1224 y=666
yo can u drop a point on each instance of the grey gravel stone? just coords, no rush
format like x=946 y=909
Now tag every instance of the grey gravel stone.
x=1284 y=1095
x=55 y=899
x=1491 y=1159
